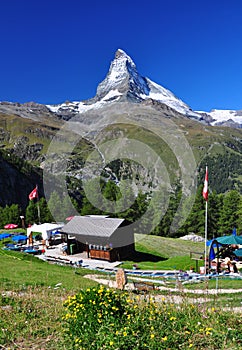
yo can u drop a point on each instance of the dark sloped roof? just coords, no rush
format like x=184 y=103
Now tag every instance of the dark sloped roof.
x=92 y=226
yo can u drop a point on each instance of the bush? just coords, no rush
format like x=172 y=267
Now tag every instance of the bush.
x=101 y=318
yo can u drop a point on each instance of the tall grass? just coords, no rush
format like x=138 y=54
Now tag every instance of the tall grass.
x=101 y=318
x=33 y=315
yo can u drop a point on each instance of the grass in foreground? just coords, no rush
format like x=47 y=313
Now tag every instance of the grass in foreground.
x=31 y=301
x=32 y=293
x=100 y=318
x=30 y=318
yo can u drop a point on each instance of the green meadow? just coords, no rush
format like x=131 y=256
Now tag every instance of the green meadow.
x=49 y=306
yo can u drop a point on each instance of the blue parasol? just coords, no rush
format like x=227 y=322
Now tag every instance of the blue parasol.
x=19 y=238
x=238 y=252
x=230 y=239
x=5 y=235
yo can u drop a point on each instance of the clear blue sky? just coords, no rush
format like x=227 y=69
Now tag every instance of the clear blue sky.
x=57 y=50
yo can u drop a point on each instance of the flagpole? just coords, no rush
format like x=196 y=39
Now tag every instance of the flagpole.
x=205 y=196
x=38 y=208
x=206 y=237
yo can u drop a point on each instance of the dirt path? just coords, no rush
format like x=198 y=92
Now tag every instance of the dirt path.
x=172 y=298
x=130 y=286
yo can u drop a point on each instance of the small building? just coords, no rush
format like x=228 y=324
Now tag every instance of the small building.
x=45 y=229
x=101 y=237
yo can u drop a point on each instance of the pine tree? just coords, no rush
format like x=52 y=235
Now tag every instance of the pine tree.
x=55 y=206
x=229 y=215
x=69 y=207
x=14 y=214
x=45 y=214
x=196 y=219
x=214 y=210
x=111 y=194
x=92 y=191
x=31 y=213
x=239 y=221
x=126 y=206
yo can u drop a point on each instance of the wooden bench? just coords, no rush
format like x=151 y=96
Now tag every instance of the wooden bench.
x=144 y=286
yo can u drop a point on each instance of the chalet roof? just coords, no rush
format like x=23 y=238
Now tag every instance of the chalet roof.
x=99 y=226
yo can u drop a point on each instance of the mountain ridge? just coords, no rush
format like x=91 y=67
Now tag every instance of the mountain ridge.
x=27 y=130
x=124 y=83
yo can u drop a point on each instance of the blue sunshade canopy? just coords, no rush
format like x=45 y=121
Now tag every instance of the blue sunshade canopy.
x=5 y=235
x=238 y=252
x=230 y=239
x=19 y=238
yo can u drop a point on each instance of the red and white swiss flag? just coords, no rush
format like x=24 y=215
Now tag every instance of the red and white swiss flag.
x=205 y=187
x=34 y=193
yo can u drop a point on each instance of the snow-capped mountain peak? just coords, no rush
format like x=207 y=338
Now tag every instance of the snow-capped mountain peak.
x=124 y=83
x=123 y=75
x=225 y=117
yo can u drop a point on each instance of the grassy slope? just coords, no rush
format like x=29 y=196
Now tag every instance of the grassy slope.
x=156 y=252
x=31 y=303
x=167 y=247
x=162 y=253
x=23 y=269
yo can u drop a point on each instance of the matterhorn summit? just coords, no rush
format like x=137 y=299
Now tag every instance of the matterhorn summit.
x=123 y=78
x=123 y=83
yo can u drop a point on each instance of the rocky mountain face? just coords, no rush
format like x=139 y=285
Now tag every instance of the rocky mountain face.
x=124 y=106
x=122 y=83
x=16 y=184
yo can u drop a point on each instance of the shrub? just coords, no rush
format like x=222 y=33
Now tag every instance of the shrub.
x=101 y=318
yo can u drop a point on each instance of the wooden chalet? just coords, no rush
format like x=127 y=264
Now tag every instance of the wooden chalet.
x=101 y=237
